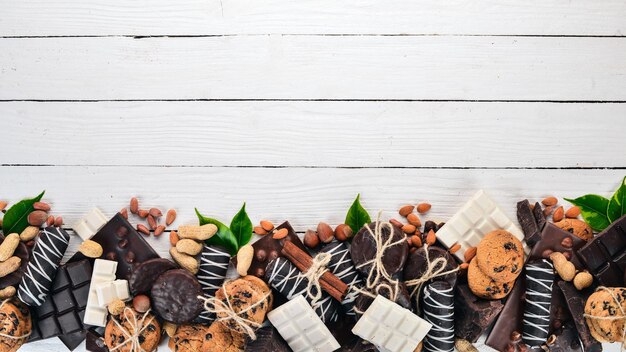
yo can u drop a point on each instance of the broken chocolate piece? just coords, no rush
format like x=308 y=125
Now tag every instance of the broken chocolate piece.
x=575 y=301
x=540 y=217
x=605 y=255
x=510 y=318
x=267 y=340
x=473 y=315
x=526 y=219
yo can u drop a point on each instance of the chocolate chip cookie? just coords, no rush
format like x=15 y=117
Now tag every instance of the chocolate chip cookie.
x=576 y=227
x=601 y=304
x=485 y=287
x=500 y=256
x=188 y=338
x=243 y=295
x=148 y=338
x=15 y=321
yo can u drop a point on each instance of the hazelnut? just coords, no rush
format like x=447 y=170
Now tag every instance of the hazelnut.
x=311 y=240
x=343 y=232
x=325 y=232
x=141 y=303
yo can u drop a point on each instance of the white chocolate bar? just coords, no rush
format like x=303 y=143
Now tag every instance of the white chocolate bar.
x=476 y=218
x=390 y=327
x=109 y=291
x=303 y=330
x=90 y=224
x=103 y=273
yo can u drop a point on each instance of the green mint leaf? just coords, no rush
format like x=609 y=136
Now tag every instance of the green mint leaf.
x=357 y=216
x=617 y=203
x=16 y=218
x=593 y=207
x=224 y=237
x=241 y=227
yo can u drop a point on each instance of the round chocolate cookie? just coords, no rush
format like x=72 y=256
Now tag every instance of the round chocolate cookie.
x=363 y=248
x=576 y=227
x=175 y=296
x=500 y=256
x=485 y=287
x=416 y=265
x=243 y=293
x=15 y=321
x=148 y=338
x=145 y=274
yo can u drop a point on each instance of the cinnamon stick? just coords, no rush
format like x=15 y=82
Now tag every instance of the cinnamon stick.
x=303 y=261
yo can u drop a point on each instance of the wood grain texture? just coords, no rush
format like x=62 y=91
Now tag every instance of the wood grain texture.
x=320 y=134
x=314 y=67
x=202 y=17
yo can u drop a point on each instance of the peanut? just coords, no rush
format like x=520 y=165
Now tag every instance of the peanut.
x=116 y=307
x=462 y=345
x=423 y=208
x=280 y=234
x=558 y=214
x=8 y=246
x=583 y=280
x=9 y=266
x=549 y=201
x=170 y=217
x=185 y=261
x=174 y=238
x=244 y=259
x=325 y=232
x=91 y=249
x=189 y=246
x=406 y=210
x=563 y=267
x=198 y=233
x=134 y=205
x=7 y=292
x=414 y=220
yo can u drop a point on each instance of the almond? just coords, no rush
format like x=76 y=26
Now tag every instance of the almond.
x=50 y=221
x=325 y=232
x=142 y=213
x=343 y=232
x=124 y=213
x=311 y=240
x=431 y=238
x=408 y=229
x=414 y=220
x=7 y=292
x=41 y=206
x=455 y=248
x=558 y=214
x=156 y=213
x=37 y=218
x=3 y=205
x=29 y=233
x=423 y=208
x=396 y=223
x=572 y=213
x=259 y=231
x=406 y=210
x=416 y=241
x=91 y=249
x=134 y=205
x=470 y=253
x=280 y=234
x=170 y=217
x=143 y=229
x=549 y=201
x=152 y=222
x=173 y=238
x=58 y=222
x=548 y=210
x=267 y=225
x=159 y=230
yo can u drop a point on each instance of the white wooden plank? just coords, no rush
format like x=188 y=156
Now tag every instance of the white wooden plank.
x=314 y=67
x=197 y=17
x=312 y=133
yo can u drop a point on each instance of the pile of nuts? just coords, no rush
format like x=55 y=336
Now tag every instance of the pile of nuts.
x=266 y=227
x=187 y=244
x=417 y=235
x=325 y=234
x=558 y=212
x=567 y=271
x=40 y=216
x=152 y=216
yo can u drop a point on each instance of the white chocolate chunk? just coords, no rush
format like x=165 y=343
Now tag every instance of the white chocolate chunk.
x=103 y=275
x=90 y=224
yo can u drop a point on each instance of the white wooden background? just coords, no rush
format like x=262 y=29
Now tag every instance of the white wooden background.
x=297 y=106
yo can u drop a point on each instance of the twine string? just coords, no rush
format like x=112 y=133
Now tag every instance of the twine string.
x=225 y=311
x=137 y=326
x=313 y=276
x=622 y=317
x=9 y=336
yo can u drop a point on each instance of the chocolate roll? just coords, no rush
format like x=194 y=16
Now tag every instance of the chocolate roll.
x=42 y=266
x=211 y=273
x=284 y=277
x=536 y=323
x=438 y=306
x=341 y=265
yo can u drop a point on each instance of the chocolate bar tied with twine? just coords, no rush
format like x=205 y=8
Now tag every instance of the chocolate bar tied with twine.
x=315 y=270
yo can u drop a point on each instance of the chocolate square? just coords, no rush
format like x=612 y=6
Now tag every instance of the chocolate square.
x=69 y=322
x=72 y=340
x=80 y=296
x=605 y=255
x=79 y=274
x=45 y=309
x=63 y=301
x=61 y=281
x=49 y=327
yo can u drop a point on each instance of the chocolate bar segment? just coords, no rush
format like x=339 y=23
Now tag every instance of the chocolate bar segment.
x=364 y=248
x=540 y=217
x=575 y=301
x=341 y=265
x=214 y=263
x=472 y=314
x=539 y=279
x=284 y=277
x=510 y=319
x=605 y=255
x=438 y=306
x=526 y=219
x=267 y=340
x=267 y=249
x=42 y=266
x=554 y=239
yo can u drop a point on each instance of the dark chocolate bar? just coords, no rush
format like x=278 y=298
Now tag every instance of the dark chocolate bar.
x=539 y=280
x=211 y=273
x=526 y=219
x=284 y=277
x=341 y=265
x=473 y=315
x=61 y=314
x=42 y=266
x=267 y=340
x=95 y=340
x=417 y=266
x=121 y=243
x=566 y=341
x=364 y=248
x=267 y=249
x=510 y=319
x=575 y=301
x=540 y=217
x=554 y=239
x=438 y=306
x=605 y=255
